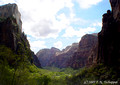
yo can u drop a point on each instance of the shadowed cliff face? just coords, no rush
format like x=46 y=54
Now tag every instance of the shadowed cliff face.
x=55 y=57
x=109 y=37
x=80 y=57
x=75 y=56
x=13 y=12
x=115 y=5
x=10 y=26
x=46 y=56
x=11 y=34
x=63 y=56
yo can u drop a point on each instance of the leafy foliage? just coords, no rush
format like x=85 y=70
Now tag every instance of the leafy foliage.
x=96 y=74
x=2 y=19
x=16 y=69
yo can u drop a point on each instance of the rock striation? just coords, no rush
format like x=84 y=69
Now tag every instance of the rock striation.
x=109 y=37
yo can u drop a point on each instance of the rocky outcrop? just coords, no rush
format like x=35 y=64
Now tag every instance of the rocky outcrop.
x=115 y=5
x=75 y=55
x=80 y=57
x=55 y=57
x=63 y=56
x=92 y=58
x=11 y=34
x=108 y=38
x=11 y=10
x=36 y=61
x=46 y=56
x=11 y=26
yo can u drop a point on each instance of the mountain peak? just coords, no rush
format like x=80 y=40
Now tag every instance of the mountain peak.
x=55 y=49
x=11 y=10
x=11 y=34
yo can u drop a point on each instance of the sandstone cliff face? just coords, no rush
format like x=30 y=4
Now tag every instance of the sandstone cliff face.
x=75 y=56
x=115 y=5
x=10 y=26
x=10 y=31
x=13 y=12
x=109 y=37
x=63 y=56
x=55 y=57
x=80 y=57
x=92 y=58
x=46 y=56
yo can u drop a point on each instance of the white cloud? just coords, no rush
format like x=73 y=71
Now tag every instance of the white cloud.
x=37 y=45
x=87 y=3
x=2 y=2
x=39 y=16
x=79 y=39
x=97 y=24
x=70 y=32
x=41 y=19
x=58 y=44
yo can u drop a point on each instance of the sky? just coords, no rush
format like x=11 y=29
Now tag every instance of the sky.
x=59 y=23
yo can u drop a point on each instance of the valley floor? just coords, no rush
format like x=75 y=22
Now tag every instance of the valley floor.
x=17 y=70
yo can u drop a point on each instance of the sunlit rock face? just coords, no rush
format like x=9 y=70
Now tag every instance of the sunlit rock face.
x=11 y=10
x=109 y=37
x=47 y=56
x=55 y=57
x=82 y=57
x=76 y=55
x=63 y=57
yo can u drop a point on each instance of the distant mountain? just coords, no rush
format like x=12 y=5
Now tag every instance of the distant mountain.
x=46 y=56
x=75 y=55
x=63 y=56
x=55 y=57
